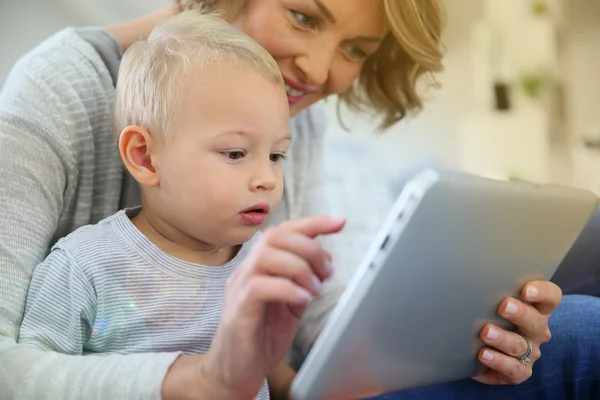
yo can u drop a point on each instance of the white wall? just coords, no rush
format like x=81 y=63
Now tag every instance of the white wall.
x=23 y=24
x=429 y=137
x=582 y=66
x=432 y=136
x=582 y=74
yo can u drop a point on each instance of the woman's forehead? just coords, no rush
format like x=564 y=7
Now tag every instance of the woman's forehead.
x=359 y=17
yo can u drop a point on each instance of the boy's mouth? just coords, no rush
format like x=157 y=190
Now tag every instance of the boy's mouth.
x=255 y=215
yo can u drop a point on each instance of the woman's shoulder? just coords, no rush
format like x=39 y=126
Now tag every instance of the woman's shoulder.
x=60 y=92
x=63 y=66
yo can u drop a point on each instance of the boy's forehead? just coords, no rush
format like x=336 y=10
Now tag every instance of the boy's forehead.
x=218 y=72
x=246 y=133
x=207 y=84
x=236 y=96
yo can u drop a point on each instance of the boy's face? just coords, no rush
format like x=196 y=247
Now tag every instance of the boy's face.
x=220 y=170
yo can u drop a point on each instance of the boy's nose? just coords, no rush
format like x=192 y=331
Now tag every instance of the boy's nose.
x=265 y=180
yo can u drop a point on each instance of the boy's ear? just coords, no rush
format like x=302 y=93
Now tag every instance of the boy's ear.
x=136 y=145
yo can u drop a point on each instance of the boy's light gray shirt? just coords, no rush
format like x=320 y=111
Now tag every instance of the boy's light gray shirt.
x=106 y=289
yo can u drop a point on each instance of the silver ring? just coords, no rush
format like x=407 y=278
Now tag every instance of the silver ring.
x=526 y=358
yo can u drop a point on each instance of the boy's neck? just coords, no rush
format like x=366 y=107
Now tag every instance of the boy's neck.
x=179 y=245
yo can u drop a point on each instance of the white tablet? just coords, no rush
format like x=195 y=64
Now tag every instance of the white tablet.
x=451 y=249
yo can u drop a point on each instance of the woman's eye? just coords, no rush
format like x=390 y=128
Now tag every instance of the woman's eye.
x=277 y=157
x=304 y=19
x=233 y=155
x=356 y=52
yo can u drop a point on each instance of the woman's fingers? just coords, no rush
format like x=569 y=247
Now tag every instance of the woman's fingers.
x=506 y=347
x=526 y=318
x=502 y=357
x=510 y=343
x=545 y=295
x=504 y=369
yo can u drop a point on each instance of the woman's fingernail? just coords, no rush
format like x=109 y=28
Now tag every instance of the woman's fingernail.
x=328 y=267
x=493 y=334
x=487 y=355
x=317 y=285
x=531 y=291
x=511 y=308
x=306 y=296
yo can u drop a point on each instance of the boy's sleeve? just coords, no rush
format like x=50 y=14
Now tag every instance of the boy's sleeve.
x=60 y=308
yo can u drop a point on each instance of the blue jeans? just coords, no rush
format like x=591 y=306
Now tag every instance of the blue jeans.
x=568 y=369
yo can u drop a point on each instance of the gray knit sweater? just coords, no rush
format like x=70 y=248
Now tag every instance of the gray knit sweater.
x=59 y=170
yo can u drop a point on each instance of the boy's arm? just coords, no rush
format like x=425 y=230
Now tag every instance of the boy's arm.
x=280 y=381
x=60 y=308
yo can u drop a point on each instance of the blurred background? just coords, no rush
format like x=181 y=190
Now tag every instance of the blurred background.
x=519 y=97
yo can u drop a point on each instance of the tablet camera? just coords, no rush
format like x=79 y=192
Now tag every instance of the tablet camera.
x=385 y=242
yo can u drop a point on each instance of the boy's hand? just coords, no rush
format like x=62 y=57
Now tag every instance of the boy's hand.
x=264 y=301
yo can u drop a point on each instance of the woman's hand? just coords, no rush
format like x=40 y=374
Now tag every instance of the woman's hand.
x=531 y=321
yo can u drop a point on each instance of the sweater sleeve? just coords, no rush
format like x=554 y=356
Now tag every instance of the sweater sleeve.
x=37 y=165
x=336 y=172
x=311 y=197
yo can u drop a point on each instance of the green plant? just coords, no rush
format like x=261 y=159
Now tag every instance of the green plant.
x=534 y=84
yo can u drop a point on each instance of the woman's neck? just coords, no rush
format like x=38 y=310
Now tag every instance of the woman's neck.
x=131 y=31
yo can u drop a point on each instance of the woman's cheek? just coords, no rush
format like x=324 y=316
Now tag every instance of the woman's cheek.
x=281 y=44
x=267 y=27
x=343 y=77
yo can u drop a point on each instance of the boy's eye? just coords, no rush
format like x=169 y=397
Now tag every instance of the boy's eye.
x=277 y=157
x=304 y=19
x=233 y=155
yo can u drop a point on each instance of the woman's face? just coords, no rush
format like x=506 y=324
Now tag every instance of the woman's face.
x=320 y=45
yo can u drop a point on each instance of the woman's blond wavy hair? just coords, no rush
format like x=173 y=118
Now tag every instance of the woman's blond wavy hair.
x=391 y=79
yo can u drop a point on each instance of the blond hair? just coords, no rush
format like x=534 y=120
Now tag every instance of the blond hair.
x=153 y=71
x=389 y=80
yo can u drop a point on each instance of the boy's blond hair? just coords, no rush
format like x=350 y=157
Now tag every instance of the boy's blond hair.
x=153 y=71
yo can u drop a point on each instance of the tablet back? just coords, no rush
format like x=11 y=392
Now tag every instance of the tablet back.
x=452 y=248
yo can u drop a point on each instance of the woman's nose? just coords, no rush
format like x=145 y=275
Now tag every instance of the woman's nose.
x=315 y=64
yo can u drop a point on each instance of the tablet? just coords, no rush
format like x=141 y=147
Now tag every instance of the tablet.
x=452 y=247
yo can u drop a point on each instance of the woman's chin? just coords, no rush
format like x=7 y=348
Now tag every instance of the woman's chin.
x=308 y=101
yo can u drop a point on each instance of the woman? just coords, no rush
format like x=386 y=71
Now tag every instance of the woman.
x=60 y=170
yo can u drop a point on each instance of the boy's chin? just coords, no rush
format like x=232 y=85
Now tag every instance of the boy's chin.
x=244 y=234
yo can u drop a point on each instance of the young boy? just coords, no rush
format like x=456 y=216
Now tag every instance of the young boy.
x=203 y=124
